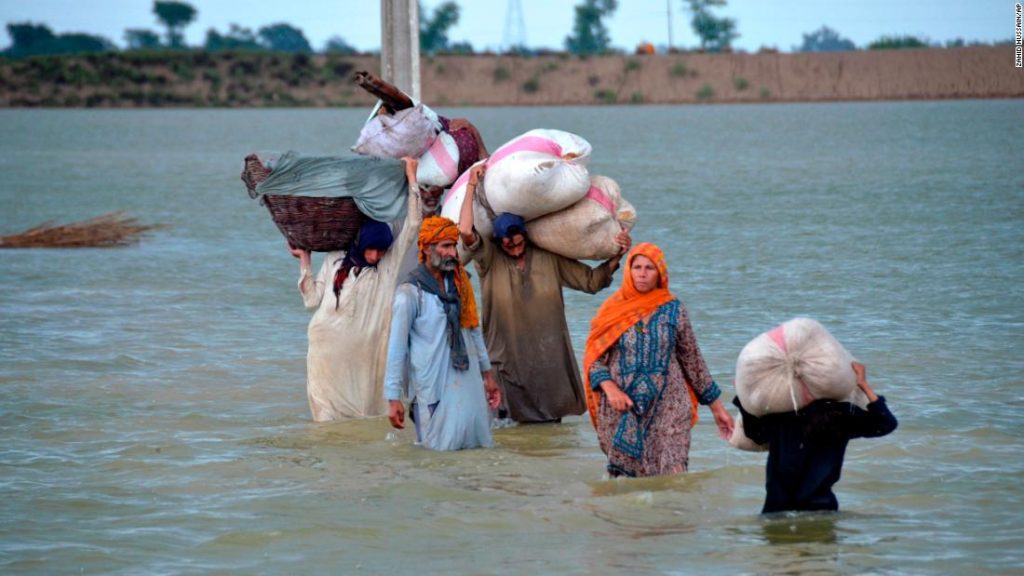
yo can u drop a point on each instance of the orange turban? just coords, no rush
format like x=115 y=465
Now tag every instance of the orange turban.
x=436 y=229
x=620 y=312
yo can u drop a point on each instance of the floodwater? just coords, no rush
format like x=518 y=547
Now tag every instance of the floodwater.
x=153 y=417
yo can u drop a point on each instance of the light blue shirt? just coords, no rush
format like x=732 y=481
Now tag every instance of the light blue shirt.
x=419 y=358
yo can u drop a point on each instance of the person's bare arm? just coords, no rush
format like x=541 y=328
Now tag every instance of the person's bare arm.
x=862 y=380
x=466 y=231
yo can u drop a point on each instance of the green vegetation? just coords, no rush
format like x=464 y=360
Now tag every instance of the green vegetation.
x=434 y=27
x=897 y=43
x=175 y=16
x=679 y=70
x=31 y=40
x=716 y=34
x=501 y=74
x=589 y=35
x=765 y=93
x=706 y=92
x=283 y=37
x=175 y=78
x=826 y=39
x=606 y=96
x=532 y=85
x=740 y=83
x=632 y=64
x=636 y=98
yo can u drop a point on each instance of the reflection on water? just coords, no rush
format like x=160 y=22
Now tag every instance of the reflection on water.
x=152 y=400
x=800 y=528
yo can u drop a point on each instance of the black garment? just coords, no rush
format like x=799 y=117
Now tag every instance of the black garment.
x=806 y=449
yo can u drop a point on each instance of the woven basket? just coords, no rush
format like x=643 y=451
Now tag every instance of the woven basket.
x=317 y=223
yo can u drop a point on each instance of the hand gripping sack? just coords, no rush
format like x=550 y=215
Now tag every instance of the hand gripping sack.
x=408 y=132
x=792 y=365
x=587 y=229
x=451 y=206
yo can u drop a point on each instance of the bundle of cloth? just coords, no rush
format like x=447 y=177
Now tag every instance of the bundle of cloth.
x=787 y=368
x=401 y=126
x=542 y=176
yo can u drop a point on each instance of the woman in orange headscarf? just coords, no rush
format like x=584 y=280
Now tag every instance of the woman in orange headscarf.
x=645 y=374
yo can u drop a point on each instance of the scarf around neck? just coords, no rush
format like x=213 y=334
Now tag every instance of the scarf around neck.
x=424 y=280
x=620 y=312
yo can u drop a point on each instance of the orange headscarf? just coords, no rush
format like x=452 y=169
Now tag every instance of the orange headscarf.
x=620 y=312
x=436 y=229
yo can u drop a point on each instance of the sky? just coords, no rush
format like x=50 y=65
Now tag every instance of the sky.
x=773 y=23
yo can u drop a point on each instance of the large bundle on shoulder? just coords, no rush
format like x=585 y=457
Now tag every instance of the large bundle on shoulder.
x=399 y=126
x=791 y=366
x=319 y=202
x=587 y=229
x=542 y=176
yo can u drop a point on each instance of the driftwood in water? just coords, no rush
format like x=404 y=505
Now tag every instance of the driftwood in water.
x=392 y=98
x=108 y=230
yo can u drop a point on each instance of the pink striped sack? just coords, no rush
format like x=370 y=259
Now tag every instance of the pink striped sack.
x=587 y=229
x=792 y=365
x=439 y=165
x=537 y=173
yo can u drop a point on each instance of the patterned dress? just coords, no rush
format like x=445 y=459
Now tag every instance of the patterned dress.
x=653 y=362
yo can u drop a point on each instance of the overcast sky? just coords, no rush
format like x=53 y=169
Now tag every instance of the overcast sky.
x=776 y=23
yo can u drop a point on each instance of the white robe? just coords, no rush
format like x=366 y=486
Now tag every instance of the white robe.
x=348 y=342
x=451 y=406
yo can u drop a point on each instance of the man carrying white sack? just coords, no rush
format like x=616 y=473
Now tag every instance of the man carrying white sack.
x=524 y=313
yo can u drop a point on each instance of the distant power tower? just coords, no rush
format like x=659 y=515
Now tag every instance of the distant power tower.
x=515 y=27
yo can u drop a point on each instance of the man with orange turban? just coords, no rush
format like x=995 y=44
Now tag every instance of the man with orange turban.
x=436 y=352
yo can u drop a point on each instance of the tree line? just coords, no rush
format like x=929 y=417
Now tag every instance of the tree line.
x=588 y=36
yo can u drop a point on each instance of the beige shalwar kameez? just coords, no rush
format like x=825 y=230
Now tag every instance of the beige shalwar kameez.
x=348 y=336
x=525 y=329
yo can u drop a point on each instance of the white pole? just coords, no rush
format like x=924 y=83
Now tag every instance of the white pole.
x=400 y=45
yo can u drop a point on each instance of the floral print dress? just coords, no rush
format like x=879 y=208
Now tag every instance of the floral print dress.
x=653 y=363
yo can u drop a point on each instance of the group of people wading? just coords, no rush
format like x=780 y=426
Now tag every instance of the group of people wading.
x=381 y=337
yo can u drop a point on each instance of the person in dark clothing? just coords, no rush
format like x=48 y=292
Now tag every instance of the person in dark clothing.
x=806 y=448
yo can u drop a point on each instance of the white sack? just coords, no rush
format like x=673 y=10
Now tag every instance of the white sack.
x=797 y=362
x=534 y=174
x=587 y=229
x=407 y=132
x=739 y=437
x=439 y=165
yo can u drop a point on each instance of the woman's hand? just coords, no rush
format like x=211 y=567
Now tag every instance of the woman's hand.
x=722 y=419
x=301 y=254
x=862 y=380
x=616 y=397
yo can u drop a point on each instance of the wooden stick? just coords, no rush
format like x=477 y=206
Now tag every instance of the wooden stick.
x=393 y=98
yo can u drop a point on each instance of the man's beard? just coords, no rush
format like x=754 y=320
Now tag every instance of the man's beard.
x=443 y=263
